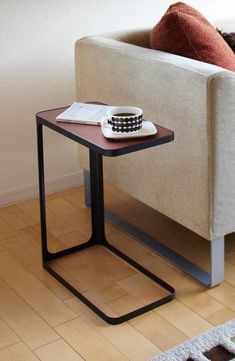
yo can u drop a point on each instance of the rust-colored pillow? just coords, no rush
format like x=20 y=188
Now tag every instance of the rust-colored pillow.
x=185 y=31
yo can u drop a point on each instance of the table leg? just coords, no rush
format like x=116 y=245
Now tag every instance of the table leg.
x=45 y=252
x=97 y=197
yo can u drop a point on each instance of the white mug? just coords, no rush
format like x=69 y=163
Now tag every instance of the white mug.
x=125 y=119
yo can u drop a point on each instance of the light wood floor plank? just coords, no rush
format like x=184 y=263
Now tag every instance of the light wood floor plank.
x=54 y=243
x=73 y=238
x=125 y=304
x=32 y=261
x=221 y=316
x=230 y=258
x=31 y=208
x=88 y=342
x=15 y=217
x=141 y=287
x=69 y=215
x=105 y=294
x=230 y=273
x=146 y=257
x=6 y=231
x=138 y=348
x=188 y=322
x=23 y=320
x=17 y=352
x=224 y=293
x=39 y=297
x=160 y=332
x=195 y=296
x=77 y=217
x=7 y=336
x=95 y=267
x=74 y=196
x=58 y=350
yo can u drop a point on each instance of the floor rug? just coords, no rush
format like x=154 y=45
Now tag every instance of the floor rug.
x=217 y=344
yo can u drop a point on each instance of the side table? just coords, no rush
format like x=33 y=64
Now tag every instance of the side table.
x=92 y=138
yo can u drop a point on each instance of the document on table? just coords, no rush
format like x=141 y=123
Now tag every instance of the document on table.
x=83 y=113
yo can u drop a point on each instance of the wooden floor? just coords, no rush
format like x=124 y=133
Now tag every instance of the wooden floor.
x=41 y=320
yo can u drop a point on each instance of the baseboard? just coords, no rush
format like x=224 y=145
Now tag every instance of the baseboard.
x=31 y=191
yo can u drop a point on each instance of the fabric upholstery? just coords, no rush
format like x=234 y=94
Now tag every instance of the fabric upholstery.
x=182 y=179
x=223 y=143
x=185 y=31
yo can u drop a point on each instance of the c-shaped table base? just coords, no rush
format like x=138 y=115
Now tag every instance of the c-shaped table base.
x=97 y=237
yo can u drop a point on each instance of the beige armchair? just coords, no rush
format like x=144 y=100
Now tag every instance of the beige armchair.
x=191 y=180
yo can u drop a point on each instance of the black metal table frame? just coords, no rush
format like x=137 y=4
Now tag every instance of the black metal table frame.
x=98 y=230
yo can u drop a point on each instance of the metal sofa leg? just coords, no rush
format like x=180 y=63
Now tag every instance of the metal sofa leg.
x=209 y=279
x=217 y=261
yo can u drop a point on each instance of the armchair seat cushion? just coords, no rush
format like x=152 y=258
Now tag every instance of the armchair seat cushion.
x=185 y=31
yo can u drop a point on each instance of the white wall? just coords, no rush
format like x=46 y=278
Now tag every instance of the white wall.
x=37 y=73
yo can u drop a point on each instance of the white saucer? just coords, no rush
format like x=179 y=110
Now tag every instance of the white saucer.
x=148 y=128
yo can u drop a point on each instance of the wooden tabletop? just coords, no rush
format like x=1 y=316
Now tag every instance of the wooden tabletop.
x=92 y=137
